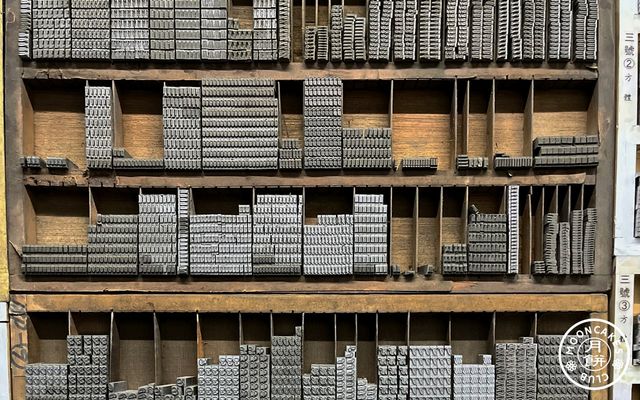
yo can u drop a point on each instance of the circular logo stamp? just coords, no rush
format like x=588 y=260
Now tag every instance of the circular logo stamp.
x=594 y=354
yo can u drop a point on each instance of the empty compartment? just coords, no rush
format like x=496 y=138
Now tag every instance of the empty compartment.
x=319 y=340
x=471 y=335
x=367 y=352
x=454 y=215
x=488 y=199
x=557 y=323
x=242 y=10
x=345 y=332
x=140 y=132
x=56 y=215
x=357 y=7
x=47 y=338
x=366 y=104
x=134 y=349
x=82 y=323
x=429 y=329
x=564 y=108
x=107 y=200
x=327 y=200
x=429 y=213
x=177 y=346
x=291 y=97
x=53 y=119
x=256 y=329
x=220 y=200
x=478 y=138
x=422 y=120
x=509 y=129
x=219 y=335
x=510 y=327
x=393 y=329
x=403 y=228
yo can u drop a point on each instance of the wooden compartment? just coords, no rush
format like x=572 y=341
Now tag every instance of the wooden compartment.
x=82 y=323
x=557 y=323
x=291 y=98
x=220 y=200
x=429 y=329
x=510 y=327
x=513 y=109
x=106 y=200
x=346 y=332
x=488 y=199
x=476 y=121
x=53 y=119
x=56 y=215
x=319 y=340
x=393 y=329
x=471 y=335
x=454 y=215
x=176 y=342
x=422 y=120
x=326 y=200
x=366 y=104
x=357 y=7
x=403 y=228
x=133 y=356
x=255 y=329
x=47 y=337
x=243 y=11
x=140 y=128
x=564 y=108
x=429 y=226
x=218 y=335
x=367 y=330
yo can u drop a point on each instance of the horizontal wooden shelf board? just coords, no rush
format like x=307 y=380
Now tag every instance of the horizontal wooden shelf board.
x=347 y=286
x=297 y=71
x=281 y=303
x=445 y=178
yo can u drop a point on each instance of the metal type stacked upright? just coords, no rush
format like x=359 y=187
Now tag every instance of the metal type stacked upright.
x=474 y=381
x=552 y=382
x=284 y=30
x=162 y=32
x=464 y=162
x=577 y=241
x=513 y=228
x=504 y=161
x=487 y=243
x=113 y=245
x=393 y=372
x=589 y=241
x=239 y=124
x=88 y=358
x=336 y=25
x=157 y=234
x=184 y=210
x=456 y=42
x=265 y=30
x=482 y=29
x=320 y=384
x=187 y=23
x=255 y=365
x=213 y=30
x=379 y=31
x=366 y=390
x=566 y=151
x=328 y=246
x=286 y=366
x=229 y=378
x=90 y=29
x=277 y=235
x=430 y=30
x=346 y=374
x=323 y=123
x=208 y=380
x=370 y=235
x=368 y=148
x=310 y=40
x=239 y=42
x=51 y=21
x=220 y=244
x=454 y=259
x=560 y=31
x=322 y=43
x=405 y=14
x=534 y=30
x=46 y=382
x=430 y=163
x=130 y=29
x=586 y=30
x=515 y=30
x=430 y=372
x=290 y=155
x=550 y=243
x=54 y=259
x=26 y=29
x=516 y=370
x=354 y=45
x=98 y=118
x=564 y=250
x=503 y=32
x=181 y=108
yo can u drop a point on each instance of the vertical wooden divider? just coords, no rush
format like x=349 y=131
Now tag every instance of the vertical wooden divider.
x=317 y=6
x=390 y=230
x=453 y=128
x=592 y=113
x=28 y=124
x=157 y=350
x=335 y=338
x=72 y=329
x=528 y=122
x=391 y=91
x=30 y=226
x=464 y=146
x=539 y=222
x=408 y=330
x=439 y=239
x=240 y=330
x=465 y=214
x=534 y=327
x=199 y=341
x=280 y=117
x=93 y=210
x=492 y=337
x=449 y=330
x=527 y=234
x=553 y=207
x=491 y=123
x=304 y=20
x=503 y=202
x=114 y=349
x=118 y=127
x=416 y=219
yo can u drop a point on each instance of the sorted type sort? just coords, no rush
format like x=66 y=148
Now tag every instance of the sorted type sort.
x=430 y=30
x=586 y=30
x=347 y=374
x=560 y=34
x=370 y=235
x=88 y=358
x=54 y=259
x=187 y=24
x=430 y=372
x=181 y=128
x=26 y=29
x=534 y=30
x=420 y=163
x=130 y=29
x=320 y=384
x=184 y=210
x=482 y=29
x=456 y=41
x=157 y=234
x=366 y=148
x=487 y=243
x=513 y=228
x=405 y=15
x=290 y=156
x=162 y=32
x=336 y=26
x=328 y=246
x=353 y=39
x=393 y=372
x=265 y=30
x=90 y=29
x=213 y=29
x=552 y=382
x=98 y=119
x=46 y=382
x=454 y=259
x=284 y=30
x=57 y=163
x=240 y=42
x=51 y=21
x=566 y=151
x=464 y=161
x=474 y=381
x=503 y=161
x=516 y=370
x=255 y=368
x=310 y=43
x=322 y=123
x=33 y=162
x=286 y=366
x=366 y=390
x=113 y=245
x=220 y=244
x=239 y=124
x=277 y=235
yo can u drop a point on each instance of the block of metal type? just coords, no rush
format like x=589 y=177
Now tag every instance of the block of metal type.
x=50 y=30
x=113 y=245
x=370 y=235
x=328 y=246
x=502 y=161
x=98 y=112
x=551 y=378
x=420 y=163
x=181 y=107
x=454 y=259
x=286 y=366
x=513 y=230
x=322 y=113
x=130 y=29
x=90 y=29
x=284 y=30
x=157 y=234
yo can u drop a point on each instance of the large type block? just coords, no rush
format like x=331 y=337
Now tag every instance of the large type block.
x=181 y=122
x=367 y=148
x=162 y=32
x=454 y=259
x=328 y=246
x=265 y=30
x=566 y=151
x=370 y=252
x=405 y=15
x=551 y=380
x=290 y=154
x=240 y=42
x=90 y=29
x=347 y=375
x=46 y=382
x=113 y=245
x=54 y=259
x=255 y=372
x=482 y=29
x=456 y=41
x=473 y=381
x=88 y=359
x=516 y=370
x=284 y=30
x=187 y=25
x=336 y=25
x=51 y=29
x=430 y=30
x=98 y=119
x=213 y=29
x=320 y=384
x=157 y=234
x=130 y=29
x=286 y=366
x=323 y=123
x=393 y=372
x=430 y=372
x=586 y=17
x=487 y=243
